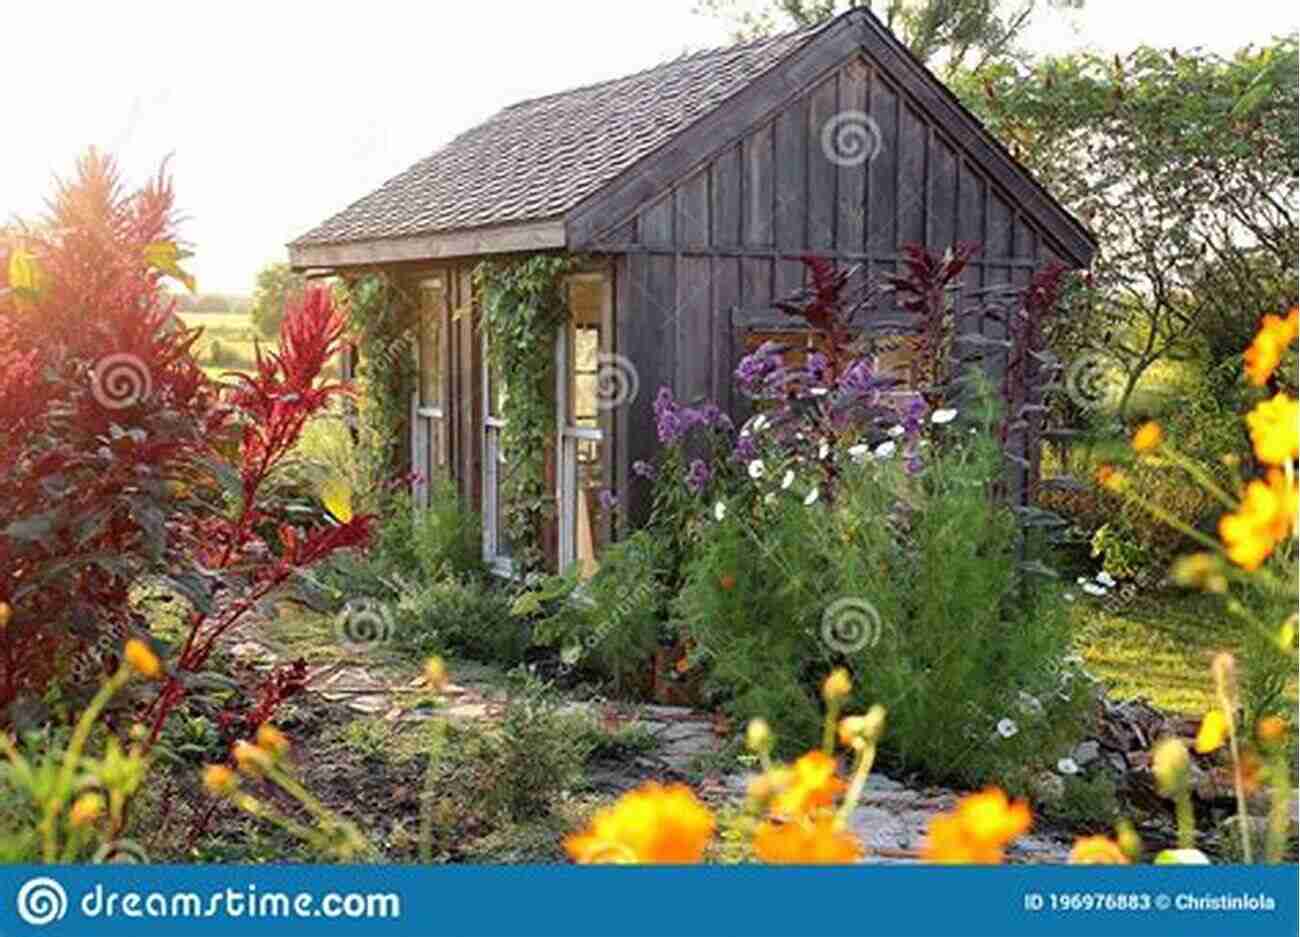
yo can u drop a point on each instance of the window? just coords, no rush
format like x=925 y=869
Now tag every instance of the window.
x=497 y=549
x=429 y=454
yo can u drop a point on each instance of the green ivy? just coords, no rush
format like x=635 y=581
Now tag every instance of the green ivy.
x=524 y=306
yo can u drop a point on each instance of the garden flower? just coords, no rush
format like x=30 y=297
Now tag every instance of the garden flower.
x=1271 y=731
x=272 y=740
x=435 y=673
x=1097 y=850
x=1264 y=519
x=859 y=452
x=608 y=500
x=856 y=731
x=896 y=431
x=813 y=784
x=1200 y=571
x=1030 y=704
x=788 y=479
x=806 y=842
x=811 y=497
x=697 y=476
x=141 y=659
x=978 y=830
x=943 y=416
x=886 y=449
x=1148 y=437
x=652 y=824
x=86 y=809
x=1213 y=732
x=1093 y=588
x=823 y=450
x=5 y=614
x=837 y=686
x=219 y=780
x=250 y=758
x=1111 y=478
x=1106 y=579
x=756 y=469
x=644 y=469
x=1275 y=430
x=1007 y=728
x=1169 y=765
x=1265 y=352
x=758 y=735
x=1067 y=766
x=719 y=511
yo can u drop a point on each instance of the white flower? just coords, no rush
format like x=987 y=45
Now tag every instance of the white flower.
x=1007 y=728
x=886 y=449
x=1030 y=703
x=1067 y=766
x=943 y=416
x=788 y=479
x=719 y=511
x=818 y=391
x=1081 y=580
x=1069 y=596
x=810 y=497
x=759 y=422
x=859 y=452
x=756 y=469
x=896 y=431
x=824 y=450
x=1093 y=589
x=769 y=497
x=1105 y=579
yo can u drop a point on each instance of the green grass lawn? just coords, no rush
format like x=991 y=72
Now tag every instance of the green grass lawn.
x=1160 y=647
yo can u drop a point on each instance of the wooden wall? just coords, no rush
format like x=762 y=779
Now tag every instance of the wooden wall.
x=701 y=262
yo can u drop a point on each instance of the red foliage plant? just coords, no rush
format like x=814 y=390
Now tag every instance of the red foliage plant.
x=122 y=465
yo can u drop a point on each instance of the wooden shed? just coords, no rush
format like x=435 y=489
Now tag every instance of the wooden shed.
x=696 y=186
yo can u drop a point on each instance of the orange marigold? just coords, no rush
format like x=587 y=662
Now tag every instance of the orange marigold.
x=814 y=784
x=1097 y=850
x=1271 y=341
x=1148 y=437
x=806 y=842
x=652 y=824
x=1275 y=430
x=978 y=830
x=1265 y=517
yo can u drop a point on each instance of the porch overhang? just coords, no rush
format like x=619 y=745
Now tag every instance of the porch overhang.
x=470 y=242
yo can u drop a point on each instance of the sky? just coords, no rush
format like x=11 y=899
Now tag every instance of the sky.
x=277 y=114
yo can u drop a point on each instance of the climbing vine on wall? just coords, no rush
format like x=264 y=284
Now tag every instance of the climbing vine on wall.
x=523 y=306
x=381 y=321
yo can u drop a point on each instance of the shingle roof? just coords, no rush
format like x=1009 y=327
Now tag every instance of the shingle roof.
x=539 y=158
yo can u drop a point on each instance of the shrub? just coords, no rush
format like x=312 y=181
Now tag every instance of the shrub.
x=458 y=615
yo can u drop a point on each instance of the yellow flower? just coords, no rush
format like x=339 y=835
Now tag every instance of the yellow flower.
x=1265 y=352
x=758 y=736
x=86 y=809
x=435 y=673
x=1148 y=437
x=1169 y=764
x=857 y=731
x=1265 y=517
x=219 y=780
x=1275 y=430
x=1111 y=478
x=5 y=614
x=142 y=660
x=271 y=740
x=652 y=824
x=978 y=830
x=1200 y=571
x=1213 y=732
x=837 y=686
x=806 y=842
x=1097 y=850
x=814 y=784
x=250 y=758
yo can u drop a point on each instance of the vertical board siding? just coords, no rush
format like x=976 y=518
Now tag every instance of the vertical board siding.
x=726 y=193
x=790 y=205
x=691 y=217
x=830 y=130
x=896 y=176
x=694 y=324
x=851 y=179
x=758 y=185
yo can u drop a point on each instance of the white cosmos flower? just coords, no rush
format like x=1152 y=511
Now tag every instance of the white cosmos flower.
x=1105 y=579
x=759 y=422
x=1030 y=703
x=811 y=497
x=788 y=479
x=1069 y=596
x=1081 y=580
x=886 y=449
x=896 y=431
x=719 y=511
x=859 y=452
x=943 y=416
x=823 y=450
x=1067 y=766
x=756 y=469
x=1007 y=728
x=1093 y=589
x=818 y=391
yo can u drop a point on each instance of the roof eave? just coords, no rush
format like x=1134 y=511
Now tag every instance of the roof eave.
x=547 y=234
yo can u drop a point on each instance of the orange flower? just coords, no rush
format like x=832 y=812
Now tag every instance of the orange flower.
x=1265 y=517
x=652 y=824
x=978 y=830
x=1148 y=437
x=1097 y=850
x=1275 y=430
x=1111 y=478
x=1265 y=352
x=141 y=659
x=806 y=842
x=814 y=784
x=1271 y=730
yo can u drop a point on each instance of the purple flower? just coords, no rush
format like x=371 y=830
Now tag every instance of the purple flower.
x=608 y=500
x=817 y=365
x=710 y=416
x=914 y=415
x=644 y=469
x=697 y=476
x=754 y=369
x=668 y=420
x=745 y=450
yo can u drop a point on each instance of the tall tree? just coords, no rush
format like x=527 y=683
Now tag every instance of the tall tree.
x=277 y=285
x=946 y=34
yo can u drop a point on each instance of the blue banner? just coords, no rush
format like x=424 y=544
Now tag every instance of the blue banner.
x=302 y=901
